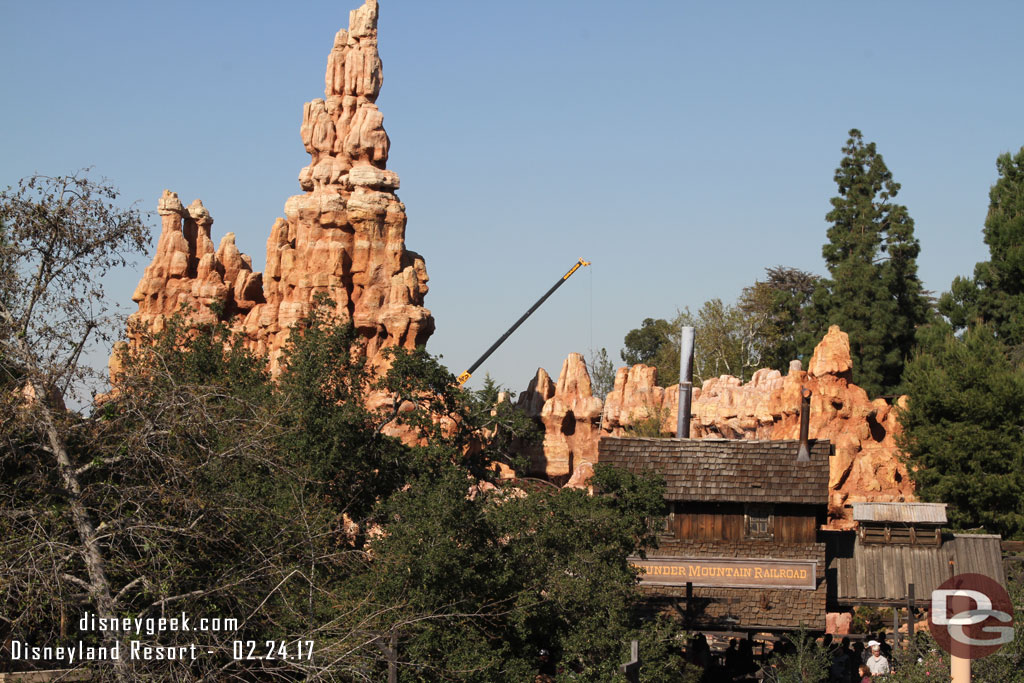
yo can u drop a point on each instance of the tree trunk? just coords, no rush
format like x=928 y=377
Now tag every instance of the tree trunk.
x=92 y=554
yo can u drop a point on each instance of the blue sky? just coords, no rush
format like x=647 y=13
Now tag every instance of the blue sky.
x=681 y=147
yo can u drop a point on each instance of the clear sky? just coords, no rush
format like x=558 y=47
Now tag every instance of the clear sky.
x=681 y=146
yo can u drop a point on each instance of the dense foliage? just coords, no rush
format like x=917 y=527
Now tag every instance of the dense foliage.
x=996 y=292
x=963 y=429
x=766 y=327
x=965 y=420
x=780 y=307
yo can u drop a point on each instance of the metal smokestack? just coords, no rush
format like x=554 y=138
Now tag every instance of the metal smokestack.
x=685 y=382
x=804 y=454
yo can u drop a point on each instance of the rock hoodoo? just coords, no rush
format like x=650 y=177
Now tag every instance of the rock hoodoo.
x=866 y=464
x=344 y=237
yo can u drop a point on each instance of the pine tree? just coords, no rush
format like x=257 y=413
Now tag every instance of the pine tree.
x=962 y=428
x=874 y=293
x=996 y=292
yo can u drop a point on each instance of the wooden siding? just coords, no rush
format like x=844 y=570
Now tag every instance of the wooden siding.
x=708 y=522
x=794 y=525
x=728 y=522
x=876 y=573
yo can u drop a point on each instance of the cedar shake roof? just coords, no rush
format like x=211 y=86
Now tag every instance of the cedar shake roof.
x=726 y=470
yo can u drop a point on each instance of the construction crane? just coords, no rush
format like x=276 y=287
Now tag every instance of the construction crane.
x=479 y=361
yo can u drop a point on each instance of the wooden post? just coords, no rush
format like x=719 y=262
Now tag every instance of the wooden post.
x=632 y=668
x=689 y=603
x=910 y=614
x=960 y=670
x=895 y=628
x=393 y=658
x=390 y=652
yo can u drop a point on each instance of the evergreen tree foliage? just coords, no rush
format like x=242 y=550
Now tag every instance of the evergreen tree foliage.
x=873 y=293
x=996 y=292
x=964 y=425
x=963 y=428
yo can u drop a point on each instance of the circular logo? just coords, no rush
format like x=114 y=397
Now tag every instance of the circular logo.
x=971 y=616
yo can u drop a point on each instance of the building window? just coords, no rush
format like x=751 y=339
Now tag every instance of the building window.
x=759 y=521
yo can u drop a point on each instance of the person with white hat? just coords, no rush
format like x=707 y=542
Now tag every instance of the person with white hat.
x=876 y=661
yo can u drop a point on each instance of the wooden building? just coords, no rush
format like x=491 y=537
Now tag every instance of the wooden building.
x=900 y=553
x=741 y=548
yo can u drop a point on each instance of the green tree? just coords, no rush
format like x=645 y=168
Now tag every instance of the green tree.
x=728 y=340
x=963 y=427
x=474 y=586
x=873 y=293
x=803 y=661
x=602 y=373
x=996 y=292
x=780 y=307
x=199 y=485
x=644 y=344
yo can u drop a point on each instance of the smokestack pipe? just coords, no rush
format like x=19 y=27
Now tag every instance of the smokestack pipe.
x=804 y=453
x=685 y=382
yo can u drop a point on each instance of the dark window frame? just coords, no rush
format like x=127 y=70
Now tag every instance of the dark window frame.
x=759 y=521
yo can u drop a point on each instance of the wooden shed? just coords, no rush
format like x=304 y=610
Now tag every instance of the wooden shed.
x=740 y=548
x=902 y=544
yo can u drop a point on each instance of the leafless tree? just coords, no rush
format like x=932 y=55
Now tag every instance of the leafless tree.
x=58 y=237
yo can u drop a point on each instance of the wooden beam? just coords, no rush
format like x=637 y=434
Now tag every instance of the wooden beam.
x=910 y=614
x=632 y=668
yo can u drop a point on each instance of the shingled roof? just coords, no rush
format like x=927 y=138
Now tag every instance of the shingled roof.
x=726 y=470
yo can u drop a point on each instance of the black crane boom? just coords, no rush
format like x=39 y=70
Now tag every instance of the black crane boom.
x=479 y=361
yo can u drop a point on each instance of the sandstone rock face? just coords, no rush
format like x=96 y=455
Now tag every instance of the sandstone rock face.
x=571 y=416
x=344 y=237
x=866 y=465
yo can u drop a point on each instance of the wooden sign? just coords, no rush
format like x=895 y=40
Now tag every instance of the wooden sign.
x=727 y=573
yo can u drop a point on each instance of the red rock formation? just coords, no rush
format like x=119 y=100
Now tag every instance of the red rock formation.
x=866 y=465
x=571 y=416
x=344 y=237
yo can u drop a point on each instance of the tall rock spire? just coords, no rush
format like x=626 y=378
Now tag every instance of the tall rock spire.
x=343 y=237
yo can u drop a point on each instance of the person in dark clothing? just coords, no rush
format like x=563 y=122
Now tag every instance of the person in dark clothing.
x=746 y=657
x=857 y=658
x=732 y=658
x=839 y=671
